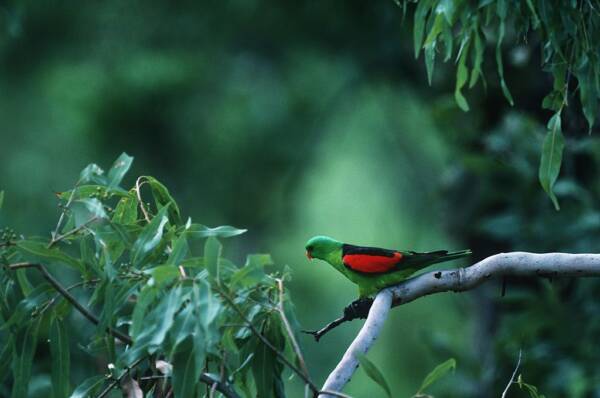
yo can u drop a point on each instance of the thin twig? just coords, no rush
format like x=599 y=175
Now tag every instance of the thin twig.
x=62 y=214
x=266 y=342
x=65 y=293
x=118 y=380
x=138 y=185
x=289 y=330
x=512 y=378
x=57 y=239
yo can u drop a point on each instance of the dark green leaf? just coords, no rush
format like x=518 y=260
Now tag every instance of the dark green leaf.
x=6 y=355
x=550 y=162
x=86 y=389
x=24 y=310
x=185 y=372
x=59 y=350
x=374 y=373
x=179 y=250
x=119 y=169
x=149 y=238
x=462 y=75
x=163 y=198
x=147 y=295
x=266 y=367
x=54 y=255
x=1 y=199
x=26 y=347
x=163 y=274
x=437 y=373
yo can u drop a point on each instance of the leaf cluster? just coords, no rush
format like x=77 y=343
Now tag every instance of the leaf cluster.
x=174 y=315
x=564 y=31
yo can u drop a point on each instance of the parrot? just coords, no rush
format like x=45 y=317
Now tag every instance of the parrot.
x=373 y=268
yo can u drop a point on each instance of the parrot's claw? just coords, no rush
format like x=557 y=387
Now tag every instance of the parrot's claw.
x=358 y=309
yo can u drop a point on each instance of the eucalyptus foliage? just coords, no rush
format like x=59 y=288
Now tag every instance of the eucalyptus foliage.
x=566 y=32
x=166 y=310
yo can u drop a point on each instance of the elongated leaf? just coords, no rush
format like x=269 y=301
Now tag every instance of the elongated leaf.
x=59 y=350
x=85 y=389
x=551 y=160
x=212 y=253
x=54 y=255
x=163 y=198
x=85 y=210
x=374 y=373
x=1 y=199
x=502 y=11
x=266 y=367
x=147 y=295
x=462 y=75
x=119 y=169
x=163 y=273
x=22 y=365
x=24 y=309
x=92 y=173
x=6 y=354
x=185 y=372
x=437 y=373
x=126 y=211
x=198 y=231
x=179 y=250
x=149 y=238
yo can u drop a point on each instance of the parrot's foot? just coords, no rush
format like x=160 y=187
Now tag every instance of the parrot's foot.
x=358 y=309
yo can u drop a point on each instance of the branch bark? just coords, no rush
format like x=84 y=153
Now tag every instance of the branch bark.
x=457 y=280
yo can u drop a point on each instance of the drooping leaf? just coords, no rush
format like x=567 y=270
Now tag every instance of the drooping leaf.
x=26 y=347
x=163 y=198
x=266 y=367
x=149 y=238
x=179 y=250
x=1 y=199
x=145 y=298
x=59 y=350
x=462 y=75
x=185 y=372
x=502 y=10
x=551 y=159
x=373 y=373
x=119 y=169
x=6 y=354
x=438 y=372
x=54 y=255
x=85 y=389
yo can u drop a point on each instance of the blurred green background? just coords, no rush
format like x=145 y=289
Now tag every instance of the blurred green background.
x=294 y=119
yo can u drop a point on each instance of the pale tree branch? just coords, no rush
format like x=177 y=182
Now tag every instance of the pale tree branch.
x=457 y=280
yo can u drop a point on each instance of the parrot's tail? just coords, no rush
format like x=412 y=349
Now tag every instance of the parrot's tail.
x=440 y=256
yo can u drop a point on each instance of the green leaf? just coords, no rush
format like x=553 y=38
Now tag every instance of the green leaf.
x=551 y=159
x=1 y=198
x=587 y=92
x=163 y=198
x=423 y=9
x=179 y=250
x=212 y=253
x=119 y=169
x=253 y=272
x=149 y=238
x=26 y=307
x=163 y=273
x=26 y=348
x=477 y=59
x=531 y=389
x=59 y=350
x=437 y=373
x=185 y=372
x=6 y=355
x=374 y=373
x=266 y=367
x=86 y=389
x=198 y=231
x=126 y=211
x=86 y=210
x=54 y=255
x=145 y=298
x=92 y=173
x=462 y=75
x=501 y=31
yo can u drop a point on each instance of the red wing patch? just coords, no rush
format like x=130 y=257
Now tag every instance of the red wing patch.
x=371 y=264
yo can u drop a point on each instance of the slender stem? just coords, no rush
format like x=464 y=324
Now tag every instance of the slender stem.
x=62 y=214
x=138 y=185
x=512 y=378
x=65 y=293
x=56 y=239
x=118 y=380
x=289 y=330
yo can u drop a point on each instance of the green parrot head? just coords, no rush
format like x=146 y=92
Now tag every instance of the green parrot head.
x=321 y=247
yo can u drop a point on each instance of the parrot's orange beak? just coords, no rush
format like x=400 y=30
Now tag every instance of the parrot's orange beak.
x=308 y=255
